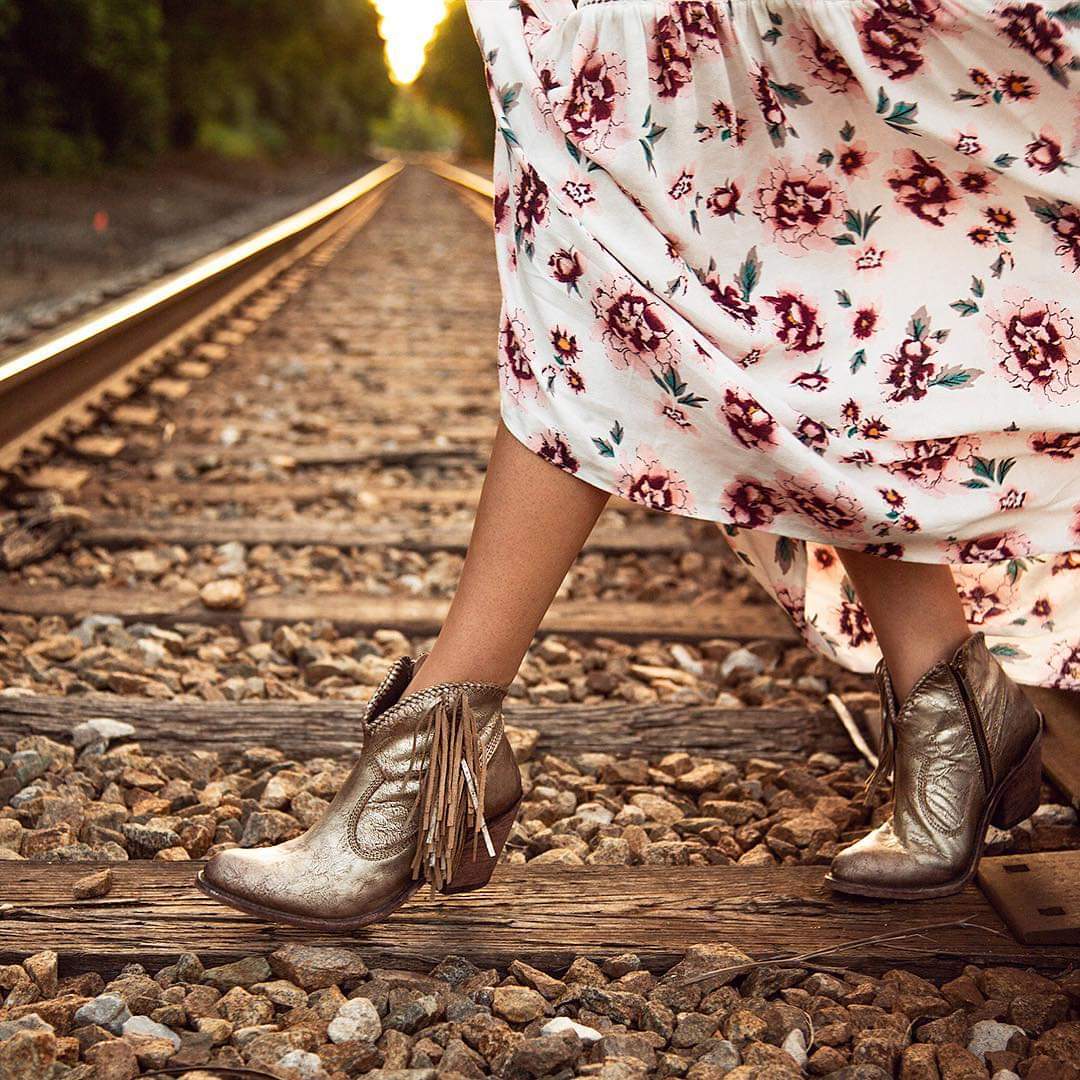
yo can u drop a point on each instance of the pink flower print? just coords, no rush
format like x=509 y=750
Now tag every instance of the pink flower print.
x=910 y=366
x=838 y=514
x=567 y=268
x=813 y=434
x=797 y=324
x=701 y=22
x=515 y=363
x=553 y=446
x=669 y=57
x=975 y=182
x=799 y=204
x=889 y=45
x=676 y=417
x=632 y=329
x=530 y=203
x=1012 y=500
x=854 y=623
x=854 y=157
x=922 y=187
x=927 y=460
x=730 y=297
x=579 y=192
x=995 y=547
x=870 y=257
x=597 y=87
x=982 y=600
x=723 y=201
x=1063 y=446
x=751 y=424
x=1044 y=152
x=749 y=503
x=648 y=481
x=966 y=143
x=1017 y=86
x=825 y=63
x=864 y=322
x=1028 y=26
x=683 y=185
x=1037 y=343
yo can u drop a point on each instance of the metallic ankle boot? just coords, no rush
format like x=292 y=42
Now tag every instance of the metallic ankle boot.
x=432 y=798
x=965 y=752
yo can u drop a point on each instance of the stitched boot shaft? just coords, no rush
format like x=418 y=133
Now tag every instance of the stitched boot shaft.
x=964 y=751
x=407 y=812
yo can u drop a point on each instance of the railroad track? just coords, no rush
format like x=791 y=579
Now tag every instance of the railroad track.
x=270 y=472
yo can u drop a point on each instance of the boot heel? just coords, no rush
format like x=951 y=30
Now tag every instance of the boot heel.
x=1020 y=797
x=475 y=872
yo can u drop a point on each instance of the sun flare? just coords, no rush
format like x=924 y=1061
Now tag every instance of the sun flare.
x=407 y=26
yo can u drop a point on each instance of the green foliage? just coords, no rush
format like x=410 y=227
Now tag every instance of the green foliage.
x=97 y=81
x=413 y=124
x=453 y=77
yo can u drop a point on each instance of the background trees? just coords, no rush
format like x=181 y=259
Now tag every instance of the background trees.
x=86 y=82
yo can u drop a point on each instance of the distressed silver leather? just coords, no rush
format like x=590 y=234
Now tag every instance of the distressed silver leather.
x=943 y=788
x=356 y=860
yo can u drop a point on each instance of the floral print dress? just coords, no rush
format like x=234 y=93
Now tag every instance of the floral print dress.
x=809 y=269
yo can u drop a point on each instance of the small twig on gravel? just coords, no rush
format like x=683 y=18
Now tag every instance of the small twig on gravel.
x=894 y=935
x=852 y=729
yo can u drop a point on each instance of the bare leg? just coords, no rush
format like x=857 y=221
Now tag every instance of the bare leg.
x=531 y=524
x=915 y=611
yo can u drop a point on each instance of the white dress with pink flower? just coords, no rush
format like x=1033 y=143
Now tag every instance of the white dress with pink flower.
x=809 y=269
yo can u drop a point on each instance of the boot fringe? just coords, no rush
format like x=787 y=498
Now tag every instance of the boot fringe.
x=449 y=806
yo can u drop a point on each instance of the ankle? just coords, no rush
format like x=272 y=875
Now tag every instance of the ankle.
x=436 y=670
x=909 y=664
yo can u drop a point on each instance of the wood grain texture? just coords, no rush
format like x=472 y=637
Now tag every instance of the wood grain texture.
x=1061 y=737
x=333 y=454
x=106 y=531
x=544 y=916
x=625 y=621
x=318 y=729
x=1038 y=895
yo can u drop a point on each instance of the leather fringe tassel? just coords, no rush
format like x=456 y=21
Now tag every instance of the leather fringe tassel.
x=449 y=804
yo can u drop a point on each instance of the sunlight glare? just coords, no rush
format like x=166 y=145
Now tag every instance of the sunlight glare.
x=407 y=26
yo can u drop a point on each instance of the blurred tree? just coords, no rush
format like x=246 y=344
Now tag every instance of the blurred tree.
x=81 y=81
x=453 y=77
x=91 y=81
x=414 y=124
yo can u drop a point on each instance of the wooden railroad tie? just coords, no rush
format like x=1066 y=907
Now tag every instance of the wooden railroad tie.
x=545 y=916
x=351 y=612
x=324 y=728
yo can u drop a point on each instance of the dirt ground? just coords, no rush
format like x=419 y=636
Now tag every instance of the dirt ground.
x=68 y=244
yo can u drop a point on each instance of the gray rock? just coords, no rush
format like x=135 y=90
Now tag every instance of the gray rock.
x=303 y=1063
x=563 y=1023
x=741 y=662
x=794 y=1045
x=990 y=1035
x=86 y=630
x=106 y=1010
x=99 y=729
x=356 y=1019
x=143 y=1025
x=30 y=1022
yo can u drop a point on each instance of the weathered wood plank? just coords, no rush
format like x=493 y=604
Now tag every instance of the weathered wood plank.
x=543 y=916
x=301 y=492
x=1037 y=894
x=648 y=539
x=333 y=454
x=625 y=621
x=328 y=728
x=1061 y=738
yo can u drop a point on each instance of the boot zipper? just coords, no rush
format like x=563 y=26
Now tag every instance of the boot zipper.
x=977 y=732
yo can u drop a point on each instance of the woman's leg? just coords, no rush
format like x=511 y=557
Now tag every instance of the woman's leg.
x=531 y=524
x=915 y=611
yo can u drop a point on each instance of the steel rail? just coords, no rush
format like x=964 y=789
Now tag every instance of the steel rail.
x=60 y=379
